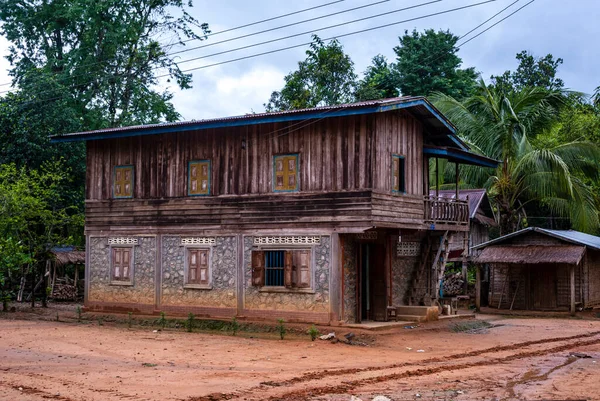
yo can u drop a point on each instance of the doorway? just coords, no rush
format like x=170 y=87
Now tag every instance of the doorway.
x=372 y=288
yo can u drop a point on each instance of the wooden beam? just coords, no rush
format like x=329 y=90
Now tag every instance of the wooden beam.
x=478 y=288
x=437 y=178
x=572 y=271
x=457 y=179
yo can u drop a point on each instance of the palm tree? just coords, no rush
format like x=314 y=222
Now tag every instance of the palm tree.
x=505 y=127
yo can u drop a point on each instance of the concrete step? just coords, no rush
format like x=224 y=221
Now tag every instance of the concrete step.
x=424 y=313
x=412 y=318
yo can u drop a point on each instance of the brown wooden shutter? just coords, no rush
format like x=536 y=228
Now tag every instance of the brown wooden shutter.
x=258 y=268
x=117 y=256
x=287 y=269
x=302 y=262
x=203 y=267
x=126 y=264
x=192 y=266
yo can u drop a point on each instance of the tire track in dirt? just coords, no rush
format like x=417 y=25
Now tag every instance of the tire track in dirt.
x=312 y=376
x=348 y=386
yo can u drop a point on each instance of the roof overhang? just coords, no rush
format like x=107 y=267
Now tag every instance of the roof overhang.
x=531 y=254
x=420 y=107
x=568 y=236
x=460 y=156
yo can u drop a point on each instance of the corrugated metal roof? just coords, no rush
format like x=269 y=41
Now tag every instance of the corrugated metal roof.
x=418 y=106
x=570 y=236
x=531 y=254
x=475 y=197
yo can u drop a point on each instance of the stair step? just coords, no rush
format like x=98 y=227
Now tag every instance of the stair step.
x=415 y=310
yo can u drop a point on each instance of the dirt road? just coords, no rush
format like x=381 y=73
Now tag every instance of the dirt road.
x=515 y=359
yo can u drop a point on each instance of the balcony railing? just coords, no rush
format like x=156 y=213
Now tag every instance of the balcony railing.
x=446 y=211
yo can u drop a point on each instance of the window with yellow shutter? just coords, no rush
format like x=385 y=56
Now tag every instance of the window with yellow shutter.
x=285 y=173
x=199 y=178
x=398 y=174
x=123 y=182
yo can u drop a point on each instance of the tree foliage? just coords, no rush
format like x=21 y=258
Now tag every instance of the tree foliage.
x=102 y=55
x=507 y=127
x=35 y=215
x=531 y=73
x=428 y=62
x=326 y=77
x=380 y=81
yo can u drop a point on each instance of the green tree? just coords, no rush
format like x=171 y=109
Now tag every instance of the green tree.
x=379 y=81
x=103 y=55
x=507 y=127
x=428 y=63
x=326 y=77
x=34 y=217
x=596 y=97
x=531 y=73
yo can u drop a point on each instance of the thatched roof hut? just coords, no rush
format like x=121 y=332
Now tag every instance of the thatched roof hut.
x=543 y=269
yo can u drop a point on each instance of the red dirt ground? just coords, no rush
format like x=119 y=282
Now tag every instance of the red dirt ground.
x=518 y=358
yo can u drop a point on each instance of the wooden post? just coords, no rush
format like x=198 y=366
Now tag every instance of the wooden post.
x=457 y=179
x=437 y=178
x=465 y=264
x=477 y=288
x=572 y=268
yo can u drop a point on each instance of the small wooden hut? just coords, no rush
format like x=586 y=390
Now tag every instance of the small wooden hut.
x=64 y=285
x=541 y=269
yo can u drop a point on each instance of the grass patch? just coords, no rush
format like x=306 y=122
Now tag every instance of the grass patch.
x=470 y=326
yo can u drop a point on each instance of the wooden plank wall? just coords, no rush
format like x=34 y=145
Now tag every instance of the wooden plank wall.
x=336 y=154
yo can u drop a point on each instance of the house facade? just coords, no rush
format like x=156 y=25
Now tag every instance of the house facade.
x=317 y=215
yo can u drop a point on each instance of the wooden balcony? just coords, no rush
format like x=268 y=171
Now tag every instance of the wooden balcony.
x=446 y=211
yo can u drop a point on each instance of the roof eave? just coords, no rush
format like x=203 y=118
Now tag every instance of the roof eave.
x=345 y=110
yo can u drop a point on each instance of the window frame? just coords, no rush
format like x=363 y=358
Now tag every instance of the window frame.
x=114 y=183
x=186 y=268
x=129 y=282
x=401 y=178
x=302 y=247
x=189 y=177
x=284 y=155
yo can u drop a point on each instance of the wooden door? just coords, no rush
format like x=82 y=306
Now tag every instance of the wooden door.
x=543 y=283
x=378 y=288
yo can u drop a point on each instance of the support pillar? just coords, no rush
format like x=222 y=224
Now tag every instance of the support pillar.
x=478 y=288
x=572 y=271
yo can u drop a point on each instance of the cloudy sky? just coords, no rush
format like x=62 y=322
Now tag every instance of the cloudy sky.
x=566 y=28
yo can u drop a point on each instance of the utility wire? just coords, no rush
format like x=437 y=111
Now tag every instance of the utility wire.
x=273 y=40
x=234 y=28
x=334 y=37
x=307 y=43
x=305 y=32
x=293 y=24
x=491 y=26
x=291 y=36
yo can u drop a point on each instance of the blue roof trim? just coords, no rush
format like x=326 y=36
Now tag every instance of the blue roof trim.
x=461 y=156
x=244 y=121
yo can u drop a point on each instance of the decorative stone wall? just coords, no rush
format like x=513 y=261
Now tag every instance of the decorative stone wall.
x=223 y=262
x=142 y=290
x=349 y=244
x=292 y=300
x=403 y=268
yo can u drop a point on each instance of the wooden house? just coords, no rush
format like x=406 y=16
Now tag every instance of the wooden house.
x=320 y=215
x=541 y=269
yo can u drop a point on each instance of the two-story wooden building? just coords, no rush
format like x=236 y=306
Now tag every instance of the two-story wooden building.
x=320 y=215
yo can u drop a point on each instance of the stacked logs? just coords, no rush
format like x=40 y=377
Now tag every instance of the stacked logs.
x=64 y=292
x=453 y=284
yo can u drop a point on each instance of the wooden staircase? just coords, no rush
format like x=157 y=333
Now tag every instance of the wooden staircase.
x=422 y=277
x=439 y=263
x=419 y=279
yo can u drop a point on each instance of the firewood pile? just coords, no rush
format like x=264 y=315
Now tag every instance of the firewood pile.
x=453 y=284
x=64 y=292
